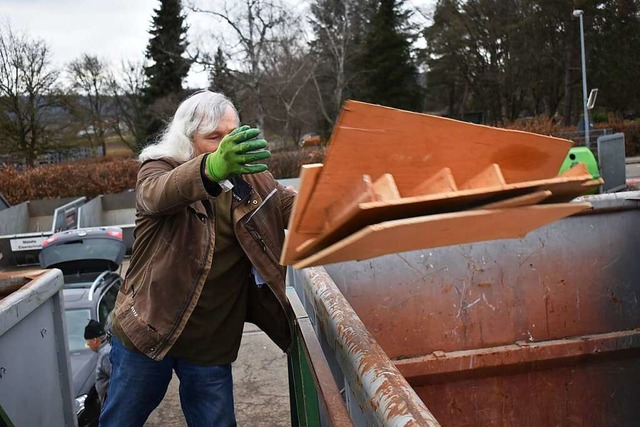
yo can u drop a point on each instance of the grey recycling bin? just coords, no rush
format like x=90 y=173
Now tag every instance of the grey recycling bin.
x=35 y=374
x=24 y=227
x=111 y=210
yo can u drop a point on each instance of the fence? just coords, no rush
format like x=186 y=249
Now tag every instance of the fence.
x=579 y=138
x=50 y=157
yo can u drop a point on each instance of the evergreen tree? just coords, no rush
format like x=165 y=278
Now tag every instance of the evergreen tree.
x=220 y=78
x=447 y=59
x=338 y=36
x=168 y=68
x=389 y=74
x=615 y=58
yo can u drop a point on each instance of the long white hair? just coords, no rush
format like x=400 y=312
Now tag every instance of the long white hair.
x=197 y=115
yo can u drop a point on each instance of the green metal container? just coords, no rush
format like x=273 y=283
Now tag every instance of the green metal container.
x=581 y=155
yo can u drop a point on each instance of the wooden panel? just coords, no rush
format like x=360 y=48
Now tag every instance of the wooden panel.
x=374 y=140
x=441 y=182
x=385 y=188
x=441 y=230
x=308 y=177
x=569 y=190
x=346 y=204
x=525 y=200
x=490 y=177
x=579 y=169
x=563 y=189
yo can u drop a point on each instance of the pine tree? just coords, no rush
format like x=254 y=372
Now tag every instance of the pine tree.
x=168 y=67
x=447 y=82
x=220 y=79
x=389 y=74
x=338 y=27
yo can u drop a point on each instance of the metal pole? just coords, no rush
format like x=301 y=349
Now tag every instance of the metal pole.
x=584 y=80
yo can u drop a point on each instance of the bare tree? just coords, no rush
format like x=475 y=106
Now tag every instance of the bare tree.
x=126 y=89
x=28 y=94
x=339 y=30
x=288 y=72
x=333 y=28
x=254 y=25
x=90 y=79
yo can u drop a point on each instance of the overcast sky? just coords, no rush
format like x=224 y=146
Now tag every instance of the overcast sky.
x=114 y=30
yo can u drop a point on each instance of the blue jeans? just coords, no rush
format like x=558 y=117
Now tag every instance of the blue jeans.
x=138 y=385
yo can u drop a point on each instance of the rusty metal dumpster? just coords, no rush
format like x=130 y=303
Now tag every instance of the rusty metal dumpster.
x=35 y=376
x=540 y=331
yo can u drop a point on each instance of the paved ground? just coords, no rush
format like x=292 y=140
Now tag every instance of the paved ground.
x=633 y=168
x=261 y=388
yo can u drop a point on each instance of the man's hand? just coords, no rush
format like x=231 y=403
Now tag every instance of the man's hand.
x=236 y=153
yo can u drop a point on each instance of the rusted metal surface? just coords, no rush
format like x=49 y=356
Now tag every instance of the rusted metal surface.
x=613 y=202
x=521 y=356
x=580 y=395
x=540 y=331
x=383 y=394
x=330 y=399
x=578 y=276
x=584 y=381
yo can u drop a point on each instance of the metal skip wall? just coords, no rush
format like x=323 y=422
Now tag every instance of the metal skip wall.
x=523 y=332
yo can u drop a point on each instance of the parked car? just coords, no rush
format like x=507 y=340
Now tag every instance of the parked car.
x=89 y=259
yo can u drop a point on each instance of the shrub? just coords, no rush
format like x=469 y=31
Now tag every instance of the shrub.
x=548 y=126
x=543 y=125
x=88 y=178
x=631 y=130
x=287 y=163
x=107 y=175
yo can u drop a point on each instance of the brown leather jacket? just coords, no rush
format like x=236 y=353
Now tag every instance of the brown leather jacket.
x=173 y=251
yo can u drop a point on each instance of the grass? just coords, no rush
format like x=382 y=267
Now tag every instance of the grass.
x=117 y=148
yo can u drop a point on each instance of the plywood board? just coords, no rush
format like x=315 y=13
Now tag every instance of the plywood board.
x=526 y=200
x=385 y=188
x=579 y=169
x=489 y=177
x=441 y=182
x=441 y=230
x=345 y=205
x=308 y=178
x=563 y=189
x=374 y=140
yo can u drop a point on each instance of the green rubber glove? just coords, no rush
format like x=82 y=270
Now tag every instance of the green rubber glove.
x=236 y=153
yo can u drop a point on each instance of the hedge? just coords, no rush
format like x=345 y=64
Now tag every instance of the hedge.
x=108 y=175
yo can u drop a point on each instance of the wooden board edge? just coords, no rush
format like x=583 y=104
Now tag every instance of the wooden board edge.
x=316 y=259
x=308 y=178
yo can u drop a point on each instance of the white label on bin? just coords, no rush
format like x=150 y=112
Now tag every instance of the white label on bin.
x=27 y=244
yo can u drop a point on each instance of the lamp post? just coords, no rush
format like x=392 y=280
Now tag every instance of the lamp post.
x=579 y=14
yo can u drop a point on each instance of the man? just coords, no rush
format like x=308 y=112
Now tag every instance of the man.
x=96 y=340
x=209 y=232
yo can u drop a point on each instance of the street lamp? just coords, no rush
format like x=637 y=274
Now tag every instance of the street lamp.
x=579 y=14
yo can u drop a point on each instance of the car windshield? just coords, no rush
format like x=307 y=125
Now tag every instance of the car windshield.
x=76 y=321
x=76 y=281
x=79 y=285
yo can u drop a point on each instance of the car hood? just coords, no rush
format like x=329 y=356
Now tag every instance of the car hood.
x=83 y=371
